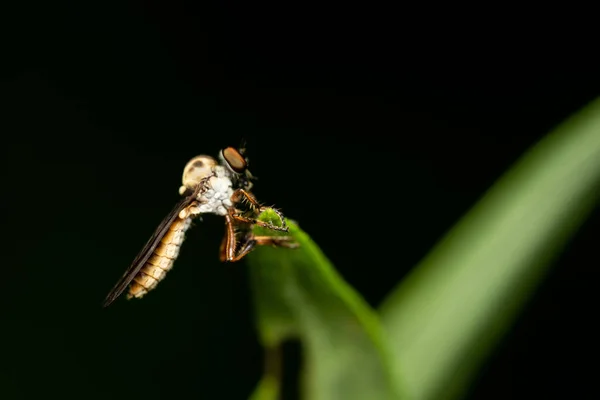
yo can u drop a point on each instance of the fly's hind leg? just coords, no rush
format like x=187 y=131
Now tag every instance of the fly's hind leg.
x=252 y=241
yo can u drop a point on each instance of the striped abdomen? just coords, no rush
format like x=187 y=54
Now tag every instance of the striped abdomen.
x=161 y=260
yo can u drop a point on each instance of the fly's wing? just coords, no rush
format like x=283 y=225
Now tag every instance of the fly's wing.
x=146 y=252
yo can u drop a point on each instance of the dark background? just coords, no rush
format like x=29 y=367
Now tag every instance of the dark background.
x=376 y=128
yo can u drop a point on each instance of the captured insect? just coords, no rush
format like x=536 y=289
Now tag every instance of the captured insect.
x=212 y=187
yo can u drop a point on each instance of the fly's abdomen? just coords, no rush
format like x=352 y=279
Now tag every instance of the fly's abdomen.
x=161 y=260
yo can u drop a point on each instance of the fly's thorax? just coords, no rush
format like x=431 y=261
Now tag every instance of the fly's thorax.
x=216 y=199
x=197 y=169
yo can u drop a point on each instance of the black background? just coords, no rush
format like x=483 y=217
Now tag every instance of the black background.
x=375 y=127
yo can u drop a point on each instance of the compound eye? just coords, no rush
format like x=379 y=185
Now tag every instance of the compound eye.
x=234 y=159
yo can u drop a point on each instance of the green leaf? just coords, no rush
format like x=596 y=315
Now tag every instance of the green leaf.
x=268 y=388
x=299 y=295
x=446 y=316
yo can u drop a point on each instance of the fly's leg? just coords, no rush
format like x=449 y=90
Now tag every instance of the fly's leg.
x=235 y=216
x=254 y=221
x=246 y=248
x=275 y=241
x=229 y=242
x=241 y=195
x=232 y=250
x=252 y=241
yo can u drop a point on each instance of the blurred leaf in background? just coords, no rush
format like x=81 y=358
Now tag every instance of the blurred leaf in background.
x=447 y=315
x=299 y=295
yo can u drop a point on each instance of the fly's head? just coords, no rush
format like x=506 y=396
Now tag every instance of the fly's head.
x=196 y=170
x=237 y=164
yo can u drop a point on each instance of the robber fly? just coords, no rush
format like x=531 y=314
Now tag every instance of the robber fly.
x=212 y=187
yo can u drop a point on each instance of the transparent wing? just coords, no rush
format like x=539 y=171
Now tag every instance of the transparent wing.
x=146 y=252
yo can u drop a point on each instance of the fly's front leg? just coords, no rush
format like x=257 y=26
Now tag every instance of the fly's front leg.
x=253 y=221
x=241 y=195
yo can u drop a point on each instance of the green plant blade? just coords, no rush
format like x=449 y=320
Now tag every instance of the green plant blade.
x=446 y=316
x=299 y=295
x=268 y=388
